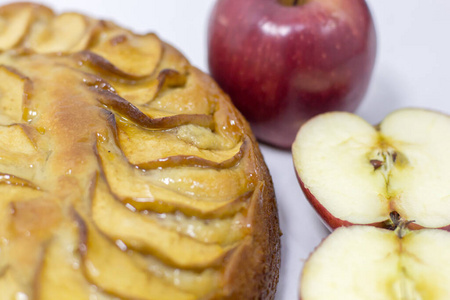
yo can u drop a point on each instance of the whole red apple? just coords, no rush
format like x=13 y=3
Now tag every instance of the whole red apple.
x=283 y=61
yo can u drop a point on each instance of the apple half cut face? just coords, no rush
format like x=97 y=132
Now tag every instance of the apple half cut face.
x=364 y=262
x=355 y=173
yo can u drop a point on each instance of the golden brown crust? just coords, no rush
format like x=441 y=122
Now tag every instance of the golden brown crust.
x=261 y=256
x=190 y=201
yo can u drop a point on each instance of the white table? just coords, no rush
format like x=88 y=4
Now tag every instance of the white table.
x=412 y=70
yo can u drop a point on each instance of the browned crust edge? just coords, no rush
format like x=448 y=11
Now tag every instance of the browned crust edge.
x=252 y=271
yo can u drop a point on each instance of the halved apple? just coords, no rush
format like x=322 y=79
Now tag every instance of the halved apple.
x=364 y=262
x=354 y=173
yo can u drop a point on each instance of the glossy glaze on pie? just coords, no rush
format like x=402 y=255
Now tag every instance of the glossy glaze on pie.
x=125 y=172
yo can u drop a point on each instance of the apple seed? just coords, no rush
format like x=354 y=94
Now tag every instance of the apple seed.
x=376 y=163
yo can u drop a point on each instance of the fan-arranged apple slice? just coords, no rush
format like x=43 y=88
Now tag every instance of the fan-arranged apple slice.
x=13 y=86
x=193 y=91
x=354 y=173
x=13 y=188
x=224 y=231
x=23 y=233
x=58 y=276
x=189 y=281
x=97 y=255
x=162 y=148
x=148 y=90
x=125 y=53
x=119 y=223
x=363 y=262
x=19 y=153
x=14 y=22
x=67 y=32
x=144 y=192
x=18 y=135
x=145 y=90
x=8 y=284
x=131 y=112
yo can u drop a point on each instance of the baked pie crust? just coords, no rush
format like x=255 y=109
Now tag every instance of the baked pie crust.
x=125 y=172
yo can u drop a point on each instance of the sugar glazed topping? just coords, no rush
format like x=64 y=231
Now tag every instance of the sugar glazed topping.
x=124 y=171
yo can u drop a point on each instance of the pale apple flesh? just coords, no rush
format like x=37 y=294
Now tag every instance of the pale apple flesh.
x=354 y=173
x=364 y=262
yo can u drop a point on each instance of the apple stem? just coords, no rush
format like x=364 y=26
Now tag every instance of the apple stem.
x=400 y=225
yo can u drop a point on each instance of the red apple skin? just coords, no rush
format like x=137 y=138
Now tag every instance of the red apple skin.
x=282 y=65
x=330 y=221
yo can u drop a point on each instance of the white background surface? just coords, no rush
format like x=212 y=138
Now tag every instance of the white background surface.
x=412 y=70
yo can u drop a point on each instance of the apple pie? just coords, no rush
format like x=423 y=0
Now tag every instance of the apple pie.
x=125 y=172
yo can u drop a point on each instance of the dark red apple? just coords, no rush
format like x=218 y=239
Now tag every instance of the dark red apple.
x=283 y=63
